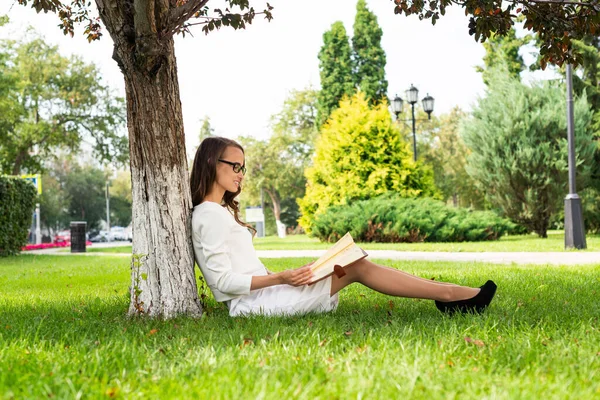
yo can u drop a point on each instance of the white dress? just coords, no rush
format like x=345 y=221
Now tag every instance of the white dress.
x=224 y=251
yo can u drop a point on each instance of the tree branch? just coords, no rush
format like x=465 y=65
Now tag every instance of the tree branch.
x=179 y=15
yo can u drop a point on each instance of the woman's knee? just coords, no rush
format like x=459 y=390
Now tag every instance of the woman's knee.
x=358 y=270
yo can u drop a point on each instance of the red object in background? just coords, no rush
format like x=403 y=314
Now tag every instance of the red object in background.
x=62 y=237
x=50 y=245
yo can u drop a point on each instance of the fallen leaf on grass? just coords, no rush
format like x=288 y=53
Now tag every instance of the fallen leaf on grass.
x=247 y=341
x=152 y=332
x=112 y=392
x=391 y=303
x=322 y=342
x=362 y=349
x=348 y=333
x=476 y=342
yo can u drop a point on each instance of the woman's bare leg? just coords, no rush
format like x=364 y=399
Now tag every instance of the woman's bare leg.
x=393 y=282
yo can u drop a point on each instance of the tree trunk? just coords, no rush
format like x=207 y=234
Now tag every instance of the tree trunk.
x=276 y=204
x=163 y=283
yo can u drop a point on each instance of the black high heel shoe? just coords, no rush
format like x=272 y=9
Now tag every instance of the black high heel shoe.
x=475 y=304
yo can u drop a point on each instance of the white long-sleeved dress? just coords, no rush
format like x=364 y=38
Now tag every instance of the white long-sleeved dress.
x=226 y=256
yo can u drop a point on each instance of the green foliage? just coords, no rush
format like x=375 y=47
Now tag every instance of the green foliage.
x=588 y=84
x=590 y=200
x=17 y=202
x=49 y=102
x=277 y=165
x=53 y=203
x=519 y=148
x=391 y=218
x=206 y=130
x=503 y=51
x=85 y=187
x=335 y=66
x=360 y=154
x=369 y=57
x=446 y=153
x=556 y=24
x=120 y=199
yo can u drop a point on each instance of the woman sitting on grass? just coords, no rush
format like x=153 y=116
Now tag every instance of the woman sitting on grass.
x=224 y=251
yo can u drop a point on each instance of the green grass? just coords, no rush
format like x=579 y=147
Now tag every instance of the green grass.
x=554 y=242
x=64 y=334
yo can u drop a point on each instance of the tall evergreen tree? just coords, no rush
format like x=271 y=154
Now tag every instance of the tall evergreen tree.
x=369 y=57
x=588 y=83
x=335 y=66
x=519 y=148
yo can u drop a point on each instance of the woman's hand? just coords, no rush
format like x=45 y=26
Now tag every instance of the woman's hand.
x=297 y=277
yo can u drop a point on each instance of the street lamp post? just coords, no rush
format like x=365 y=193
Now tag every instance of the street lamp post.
x=574 y=229
x=412 y=97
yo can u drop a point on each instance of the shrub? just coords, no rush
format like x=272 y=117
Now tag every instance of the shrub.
x=17 y=201
x=391 y=218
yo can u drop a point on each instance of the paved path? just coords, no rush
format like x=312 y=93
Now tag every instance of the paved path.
x=552 y=258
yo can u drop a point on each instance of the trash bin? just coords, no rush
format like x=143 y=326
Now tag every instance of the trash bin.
x=78 y=236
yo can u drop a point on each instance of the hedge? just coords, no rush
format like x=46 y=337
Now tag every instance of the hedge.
x=390 y=218
x=17 y=202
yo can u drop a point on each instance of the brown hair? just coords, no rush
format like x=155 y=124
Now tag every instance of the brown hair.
x=204 y=174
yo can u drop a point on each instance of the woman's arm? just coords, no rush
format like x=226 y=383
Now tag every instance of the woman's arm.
x=295 y=277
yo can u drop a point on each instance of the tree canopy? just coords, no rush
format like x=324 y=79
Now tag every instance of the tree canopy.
x=48 y=102
x=369 y=56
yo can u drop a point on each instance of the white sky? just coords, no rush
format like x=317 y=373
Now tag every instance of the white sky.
x=240 y=78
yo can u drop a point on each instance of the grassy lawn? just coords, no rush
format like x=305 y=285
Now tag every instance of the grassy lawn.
x=554 y=242
x=64 y=334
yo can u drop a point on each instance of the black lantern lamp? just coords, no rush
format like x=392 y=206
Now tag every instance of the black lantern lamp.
x=412 y=95
x=397 y=105
x=428 y=105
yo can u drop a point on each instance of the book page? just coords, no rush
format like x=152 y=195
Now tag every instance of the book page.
x=343 y=253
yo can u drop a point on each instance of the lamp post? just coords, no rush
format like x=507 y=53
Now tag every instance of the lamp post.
x=412 y=97
x=574 y=229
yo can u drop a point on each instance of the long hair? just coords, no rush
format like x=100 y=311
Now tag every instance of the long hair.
x=204 y=174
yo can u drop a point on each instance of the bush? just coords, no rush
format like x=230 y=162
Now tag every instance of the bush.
x=360 y=154
x=17 y=201
x=391 y=218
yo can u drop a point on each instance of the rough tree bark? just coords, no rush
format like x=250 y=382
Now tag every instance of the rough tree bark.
x=144 y=50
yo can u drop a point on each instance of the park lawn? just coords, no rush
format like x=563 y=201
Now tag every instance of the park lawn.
x=554 y=242
x=64 y=334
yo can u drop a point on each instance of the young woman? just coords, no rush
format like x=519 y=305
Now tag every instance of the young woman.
x=224 y=251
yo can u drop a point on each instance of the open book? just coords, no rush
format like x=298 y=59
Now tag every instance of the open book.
x=342 y=254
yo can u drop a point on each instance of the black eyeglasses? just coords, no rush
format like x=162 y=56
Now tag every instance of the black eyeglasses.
x=237 y=167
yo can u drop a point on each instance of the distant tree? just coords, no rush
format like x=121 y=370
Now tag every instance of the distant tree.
x=276 y=166
x=446 y=154
x=206 y=130
x=50 y=102
x=503 y=50
x=335 y=66
x=53 y=203
x=85 y=187
x=120 y=199
x=518 y=146
x=369 y=57
x=360 y=154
